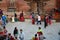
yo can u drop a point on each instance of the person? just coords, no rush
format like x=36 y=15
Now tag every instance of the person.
x=15 y=32
x=21 y=36
x=21 y=17
x=33 y=16
x=47 y=19
x=50 y=17
x=45 y=22
x=41 y=36
x=10 y=37
x=39 y=32
x=39 y=29
x=36 y=38
x=5 y=30
x=13 y=19
x=39 y=19
x=33 y=20
x=15 y=15
x=3 y=20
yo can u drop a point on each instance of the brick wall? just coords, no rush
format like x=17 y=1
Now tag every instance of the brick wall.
x=3 y=5
x=50 y=4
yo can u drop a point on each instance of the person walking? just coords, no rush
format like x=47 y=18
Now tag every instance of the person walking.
x=33 y=18
x=3 y=20
x=21 y=35
x=45 y=22
x=15 y=32
x=39 y=19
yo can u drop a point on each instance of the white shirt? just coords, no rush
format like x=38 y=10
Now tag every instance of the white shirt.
x=21 y=35
x=39 y=18
x=13 y=19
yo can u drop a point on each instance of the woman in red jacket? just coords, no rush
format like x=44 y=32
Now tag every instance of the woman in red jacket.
x=21 y=17
x=33 y=20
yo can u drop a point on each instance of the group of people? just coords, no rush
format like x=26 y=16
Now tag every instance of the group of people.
x=47 y=19
x=37 y=19
x=8 y=36
x=19 y=35
x=4 y=18
x=39 y=35
x=21 y=17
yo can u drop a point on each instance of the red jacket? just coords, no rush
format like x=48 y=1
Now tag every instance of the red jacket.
x=12 y=38
x=35 y=38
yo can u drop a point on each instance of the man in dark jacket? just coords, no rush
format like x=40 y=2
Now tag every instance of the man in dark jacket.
x=16 y=32
x=45 y=22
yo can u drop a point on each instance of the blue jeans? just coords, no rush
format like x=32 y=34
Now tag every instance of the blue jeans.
x=38 y=22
